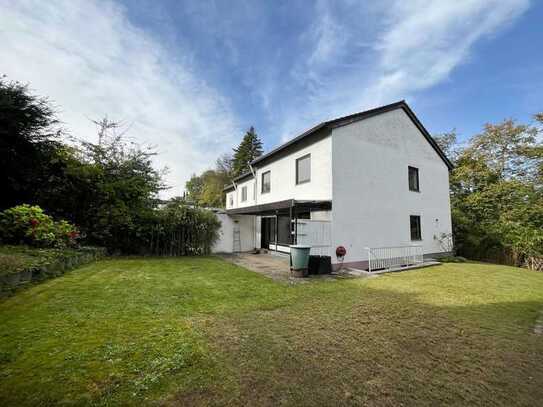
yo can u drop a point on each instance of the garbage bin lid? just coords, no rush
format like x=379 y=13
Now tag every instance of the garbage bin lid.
x=300 y=246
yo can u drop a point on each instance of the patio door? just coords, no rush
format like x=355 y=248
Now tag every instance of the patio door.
x=267 y=231
x=276 y=233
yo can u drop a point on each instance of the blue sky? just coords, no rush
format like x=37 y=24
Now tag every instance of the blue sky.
x=190 y=76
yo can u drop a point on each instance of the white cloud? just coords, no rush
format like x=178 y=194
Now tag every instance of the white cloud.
x=416 y=45
x=423 y=41
x=342 y=57
x=329 y=36
x=91 y=61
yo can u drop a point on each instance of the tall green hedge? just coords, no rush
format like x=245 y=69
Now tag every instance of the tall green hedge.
x=174 y=230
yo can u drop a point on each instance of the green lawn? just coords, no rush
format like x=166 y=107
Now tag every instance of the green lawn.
x=199 y=331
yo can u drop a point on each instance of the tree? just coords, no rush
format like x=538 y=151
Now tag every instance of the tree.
x=448 y=144
x=249 y=149
x=497 y=194
x=108 y=188
x=207 y=189
x=224 y=164
x=29 y=143
x=508 y=148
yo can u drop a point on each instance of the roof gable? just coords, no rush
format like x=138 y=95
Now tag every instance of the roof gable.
x=346 y=120
x=342 y=121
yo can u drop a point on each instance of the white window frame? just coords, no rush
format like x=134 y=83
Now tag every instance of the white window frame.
x=297 y=172
x=244 y=193
x=262 y=191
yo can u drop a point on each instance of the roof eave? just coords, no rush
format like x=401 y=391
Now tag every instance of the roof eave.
x=346 y=120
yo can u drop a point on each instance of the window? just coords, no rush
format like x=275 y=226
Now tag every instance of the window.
x=413 y=179
x=231 y=199
x=243 y=194
x=415 y=227
x=266 y=183
x=303 y=169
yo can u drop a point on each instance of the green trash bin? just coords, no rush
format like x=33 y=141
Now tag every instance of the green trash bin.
x=299 y=259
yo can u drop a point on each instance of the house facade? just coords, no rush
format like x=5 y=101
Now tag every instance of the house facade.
x=369 y=180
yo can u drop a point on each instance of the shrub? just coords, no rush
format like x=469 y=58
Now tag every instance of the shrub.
x=174 y=230
x=25 y=224
x=11 y=263
x=21 y=265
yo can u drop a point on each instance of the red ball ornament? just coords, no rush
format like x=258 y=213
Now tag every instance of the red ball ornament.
x=341 y=251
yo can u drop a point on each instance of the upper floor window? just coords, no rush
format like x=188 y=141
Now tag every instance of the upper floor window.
x=243 y=194
x=416 y=233
x=266 y=182
x=231 y=199
x=303 y=169
x=413 y=179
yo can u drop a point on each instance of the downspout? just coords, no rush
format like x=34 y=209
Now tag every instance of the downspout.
x=236 y=190
x=255 y=194
x=276 y=231
x=254 y=176
x=291 y=226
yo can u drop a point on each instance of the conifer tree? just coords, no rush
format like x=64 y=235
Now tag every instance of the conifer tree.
x=249 y=149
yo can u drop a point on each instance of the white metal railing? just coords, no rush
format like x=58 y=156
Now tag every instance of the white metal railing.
x=383 y=258
x=315 y=233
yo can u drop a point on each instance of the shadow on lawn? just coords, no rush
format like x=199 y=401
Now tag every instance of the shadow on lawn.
x=379 y=348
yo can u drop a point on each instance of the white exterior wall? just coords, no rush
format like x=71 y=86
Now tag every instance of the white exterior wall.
x=231 y=194
x=236 y=195
x=283 y=175
x=283 y=178
x=372 y=201
x=250 y=184
x=225 y=243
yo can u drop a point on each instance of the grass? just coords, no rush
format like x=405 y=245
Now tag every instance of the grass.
x=199 y=331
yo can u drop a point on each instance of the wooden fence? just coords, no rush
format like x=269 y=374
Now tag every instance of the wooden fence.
x=535 y=263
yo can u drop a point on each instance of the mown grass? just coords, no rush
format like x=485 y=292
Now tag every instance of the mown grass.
x=199 y=331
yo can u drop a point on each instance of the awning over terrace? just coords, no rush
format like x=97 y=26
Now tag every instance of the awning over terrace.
x=273 y=207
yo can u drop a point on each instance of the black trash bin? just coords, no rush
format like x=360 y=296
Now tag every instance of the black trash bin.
x=314 y=264
x=325 y=265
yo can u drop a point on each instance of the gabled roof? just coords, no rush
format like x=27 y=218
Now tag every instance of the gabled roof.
x=343 y=121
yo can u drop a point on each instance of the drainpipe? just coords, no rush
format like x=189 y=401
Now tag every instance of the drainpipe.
x=276 y=231
x=291 y=229
x=254 y=176
x=255 y=194
x=236 y=190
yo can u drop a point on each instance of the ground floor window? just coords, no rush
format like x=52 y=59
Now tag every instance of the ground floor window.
x=415 y=227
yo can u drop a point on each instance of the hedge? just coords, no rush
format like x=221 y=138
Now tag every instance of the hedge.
x=21 y=265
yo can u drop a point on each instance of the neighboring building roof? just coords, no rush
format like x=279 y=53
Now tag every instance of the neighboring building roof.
x=343 y=121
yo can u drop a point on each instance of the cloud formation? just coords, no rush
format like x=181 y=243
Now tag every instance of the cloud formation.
x=363 y=56
x=192 y=88
x=91 y=61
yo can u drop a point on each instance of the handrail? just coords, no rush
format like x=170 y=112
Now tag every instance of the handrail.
x=383 y=258
x=394 y=247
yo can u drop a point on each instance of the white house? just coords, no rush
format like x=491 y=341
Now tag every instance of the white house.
x=373 y=179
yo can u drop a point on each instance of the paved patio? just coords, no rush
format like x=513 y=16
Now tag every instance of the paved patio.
x=277 y=267
x=274 y=266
